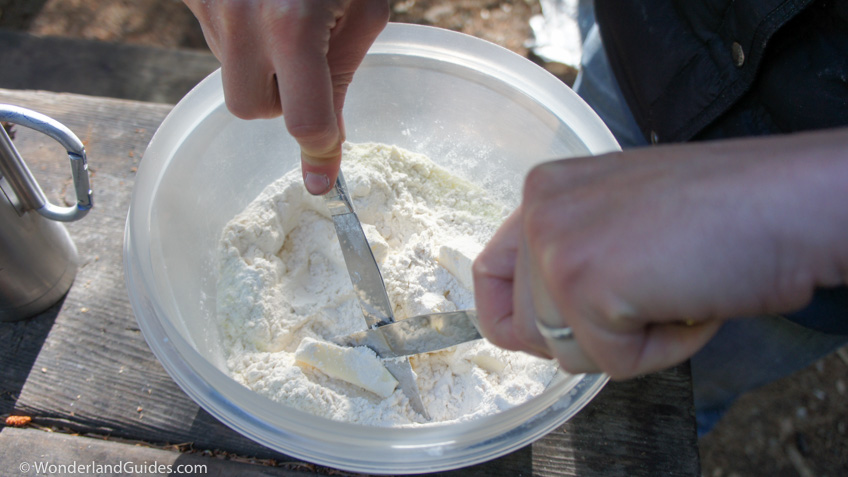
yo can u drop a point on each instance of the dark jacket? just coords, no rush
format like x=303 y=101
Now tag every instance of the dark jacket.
x=702 y=69
x=709 y=69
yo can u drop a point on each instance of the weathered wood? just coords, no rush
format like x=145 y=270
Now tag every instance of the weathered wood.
x=83 y=365
x=117 y=70
x=36 y=452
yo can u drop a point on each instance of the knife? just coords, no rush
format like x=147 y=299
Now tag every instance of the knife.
x=416 y=335
x=368 y=283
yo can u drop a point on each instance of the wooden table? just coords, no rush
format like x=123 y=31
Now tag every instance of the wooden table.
x=98 y=396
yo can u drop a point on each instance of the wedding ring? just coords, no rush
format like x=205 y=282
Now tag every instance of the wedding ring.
x=555 y=333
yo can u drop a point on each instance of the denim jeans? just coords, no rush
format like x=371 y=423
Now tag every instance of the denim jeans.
x=747 y=352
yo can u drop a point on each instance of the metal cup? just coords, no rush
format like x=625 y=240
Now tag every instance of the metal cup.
x=38 y=259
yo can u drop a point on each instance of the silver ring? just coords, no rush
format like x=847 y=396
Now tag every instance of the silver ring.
x=554 y=333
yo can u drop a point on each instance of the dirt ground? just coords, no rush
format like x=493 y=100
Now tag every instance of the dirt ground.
x=796 y=426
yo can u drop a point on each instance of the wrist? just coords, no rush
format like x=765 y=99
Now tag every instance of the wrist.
x=809 y=216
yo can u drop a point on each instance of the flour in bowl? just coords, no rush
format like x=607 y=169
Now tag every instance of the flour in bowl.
x=283 y=282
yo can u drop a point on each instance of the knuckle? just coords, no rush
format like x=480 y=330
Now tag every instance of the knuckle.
x=380 y=13
x=280 y=9
x=480 y=265
x=282 y=26
x=321 y=139
x=341 y=82
x=537 y=182
x=560 y=261
x=251 y=107
x=239 y=109
x=236 y=12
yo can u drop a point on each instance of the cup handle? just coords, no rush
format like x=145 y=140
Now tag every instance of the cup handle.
x=21 y=180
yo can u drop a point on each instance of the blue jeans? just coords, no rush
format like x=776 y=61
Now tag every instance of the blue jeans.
x=748 y=352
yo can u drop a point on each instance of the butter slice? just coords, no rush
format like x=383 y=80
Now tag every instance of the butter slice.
x=379 y=246
x=359 y=366
x=457 y=258
x=488 y=361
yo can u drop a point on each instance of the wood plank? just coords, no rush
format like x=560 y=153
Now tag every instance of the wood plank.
x=84 y=365
x=117 y=70
x=94 y=369
x=36 y=452
x=628 y=422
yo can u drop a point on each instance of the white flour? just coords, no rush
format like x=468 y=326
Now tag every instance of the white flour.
x=282 y=279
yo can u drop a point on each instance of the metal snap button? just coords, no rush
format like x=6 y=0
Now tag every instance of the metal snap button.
x=738 y=54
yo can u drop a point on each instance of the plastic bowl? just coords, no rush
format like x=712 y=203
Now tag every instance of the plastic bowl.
x=476 y=108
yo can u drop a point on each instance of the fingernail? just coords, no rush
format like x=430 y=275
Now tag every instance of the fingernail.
x=316 y=184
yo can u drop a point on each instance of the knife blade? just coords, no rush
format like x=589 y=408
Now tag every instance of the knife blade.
x=416 y=335
x=368 y=283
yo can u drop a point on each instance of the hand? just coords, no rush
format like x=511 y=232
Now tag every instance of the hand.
x=644 y=253
x=293 y=57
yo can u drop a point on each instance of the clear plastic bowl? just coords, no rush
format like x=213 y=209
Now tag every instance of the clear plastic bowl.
x=476 y=108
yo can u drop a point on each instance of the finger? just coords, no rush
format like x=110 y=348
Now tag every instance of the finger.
x=350 y=40
x=306 y=95
x=341 y=124
x=493 y=272
x=669 y=344
x=250 y=89
x=200 y=9
x=346 y=51
x=571 y=357
x=656 y=347
x=526 y=293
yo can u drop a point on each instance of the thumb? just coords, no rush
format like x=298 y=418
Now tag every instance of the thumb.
x=320 y=149
x=320 y=156
x=320 y=170
x=311 y=117
x=320 y=153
